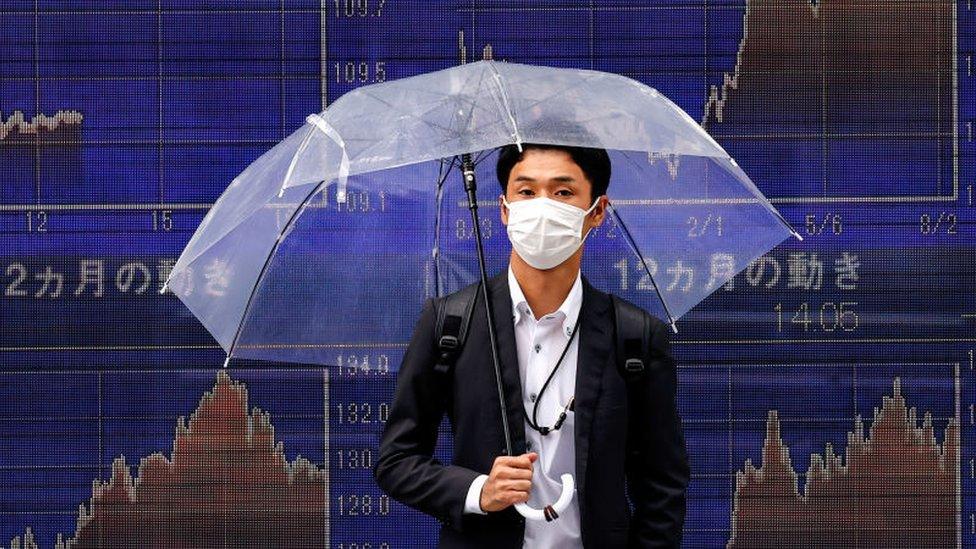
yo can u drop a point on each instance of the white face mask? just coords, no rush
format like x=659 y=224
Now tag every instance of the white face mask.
x=545 y=232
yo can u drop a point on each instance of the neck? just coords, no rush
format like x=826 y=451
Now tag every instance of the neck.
x=545 y=290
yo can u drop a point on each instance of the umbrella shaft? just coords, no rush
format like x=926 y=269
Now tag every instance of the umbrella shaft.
x=471 y=186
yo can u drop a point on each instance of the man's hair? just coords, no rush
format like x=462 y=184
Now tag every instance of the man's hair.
x=595 y=164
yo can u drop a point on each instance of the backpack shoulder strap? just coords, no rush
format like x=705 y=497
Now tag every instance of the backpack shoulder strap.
x=633 y=337
x=453 y=319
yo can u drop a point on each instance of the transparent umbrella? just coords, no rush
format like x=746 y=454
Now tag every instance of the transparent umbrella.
x=334 y=238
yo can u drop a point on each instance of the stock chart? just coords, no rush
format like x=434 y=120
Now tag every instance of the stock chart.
x=826 y=392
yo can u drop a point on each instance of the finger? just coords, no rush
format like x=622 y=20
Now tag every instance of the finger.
x=501 y=470
x=514 y=485
x=523 y=461
x=520 y=497
x=510 y=461
x=515 y=497
x=518 y=474
x=518 y=485
x=510 y=469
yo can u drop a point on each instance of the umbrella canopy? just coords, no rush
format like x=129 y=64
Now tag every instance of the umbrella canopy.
x=333 y=238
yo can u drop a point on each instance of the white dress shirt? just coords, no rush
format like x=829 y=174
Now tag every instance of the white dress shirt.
x=539 y=343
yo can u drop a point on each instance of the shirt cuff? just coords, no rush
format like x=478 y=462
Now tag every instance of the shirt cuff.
x=472 y=503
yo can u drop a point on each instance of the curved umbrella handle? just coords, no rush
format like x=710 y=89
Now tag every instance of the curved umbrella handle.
x=550 y=512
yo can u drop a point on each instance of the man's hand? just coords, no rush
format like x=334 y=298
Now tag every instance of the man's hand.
x=508 y=482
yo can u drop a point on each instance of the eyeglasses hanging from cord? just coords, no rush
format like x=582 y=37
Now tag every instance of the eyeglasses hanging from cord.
x=569 y=407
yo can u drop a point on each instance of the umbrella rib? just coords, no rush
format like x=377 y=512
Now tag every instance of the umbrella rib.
x=749 y=185
x=438 y=197
x=555 y=94
x=452 y=134
x=264 y=268
x=560 y=92
x=506 y=106
x=472 y=104
x=393 y=107
x=633 y=245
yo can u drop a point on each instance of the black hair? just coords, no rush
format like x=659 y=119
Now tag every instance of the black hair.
x=595 y=164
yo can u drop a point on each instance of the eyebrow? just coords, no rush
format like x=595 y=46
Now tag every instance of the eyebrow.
x=558 y=179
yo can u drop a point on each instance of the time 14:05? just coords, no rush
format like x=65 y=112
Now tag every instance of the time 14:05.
x=829 y=316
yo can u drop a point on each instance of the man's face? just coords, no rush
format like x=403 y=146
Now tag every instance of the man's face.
x=551 y=173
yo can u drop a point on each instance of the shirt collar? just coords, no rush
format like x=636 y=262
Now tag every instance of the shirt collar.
x=569 y=310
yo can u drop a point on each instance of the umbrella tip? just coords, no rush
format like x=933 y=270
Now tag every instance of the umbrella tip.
x=226 y=361
x=164 y=288
x=674 y=327
x=797 y=235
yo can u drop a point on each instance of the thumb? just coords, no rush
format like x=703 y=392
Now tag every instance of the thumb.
x=532 y=457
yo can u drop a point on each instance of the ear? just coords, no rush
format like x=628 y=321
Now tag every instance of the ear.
x=600 y=211
x=502 y=209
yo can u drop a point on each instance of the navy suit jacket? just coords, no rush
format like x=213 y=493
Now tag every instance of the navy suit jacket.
x=631 y=464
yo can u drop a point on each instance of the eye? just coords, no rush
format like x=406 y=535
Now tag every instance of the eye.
x=522 y=191
x=567 y=191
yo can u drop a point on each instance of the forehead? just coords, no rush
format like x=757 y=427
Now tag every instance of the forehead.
x=547 y=166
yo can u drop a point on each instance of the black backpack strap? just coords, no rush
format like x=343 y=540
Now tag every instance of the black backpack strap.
x=453 y=319
x=633 y=337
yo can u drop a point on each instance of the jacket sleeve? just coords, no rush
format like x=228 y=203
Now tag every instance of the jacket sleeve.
x=657 y=460
x=406 y=468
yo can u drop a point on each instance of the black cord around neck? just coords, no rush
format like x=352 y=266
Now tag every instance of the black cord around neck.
x=538 y=398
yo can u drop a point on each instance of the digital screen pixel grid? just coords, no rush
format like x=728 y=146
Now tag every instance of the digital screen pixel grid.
x=121 y=122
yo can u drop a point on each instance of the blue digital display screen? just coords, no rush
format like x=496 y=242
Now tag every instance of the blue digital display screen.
x=830 y=382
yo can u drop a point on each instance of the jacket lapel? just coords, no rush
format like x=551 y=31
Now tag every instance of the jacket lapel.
x=501 y=300
x=594 y=351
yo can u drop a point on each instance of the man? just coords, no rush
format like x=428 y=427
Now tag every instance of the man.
x=621 y=439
